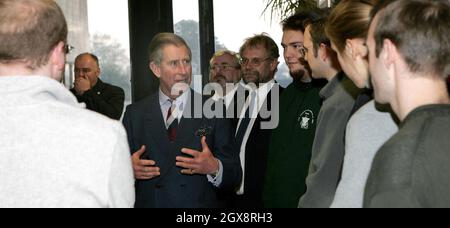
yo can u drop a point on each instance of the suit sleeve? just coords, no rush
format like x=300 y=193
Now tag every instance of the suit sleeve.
x=226 y=151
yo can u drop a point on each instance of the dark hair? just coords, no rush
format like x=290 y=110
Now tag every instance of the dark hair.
x=297 y=22
x=381 y=4
x=29 y=30
x=420 y=31
x=318 y=35
x=262 y=40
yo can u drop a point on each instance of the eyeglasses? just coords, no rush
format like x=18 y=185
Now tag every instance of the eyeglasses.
x=68 y=49
x=254 y=62
x=223 y=67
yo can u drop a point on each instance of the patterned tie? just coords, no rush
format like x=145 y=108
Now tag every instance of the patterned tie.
x=172 y=121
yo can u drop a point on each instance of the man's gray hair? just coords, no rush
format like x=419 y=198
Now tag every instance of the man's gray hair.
x=162 y=40
x=236 y=57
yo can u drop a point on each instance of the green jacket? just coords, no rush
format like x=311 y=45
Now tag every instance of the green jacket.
x=290 y=146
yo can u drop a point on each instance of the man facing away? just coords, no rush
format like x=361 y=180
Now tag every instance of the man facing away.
x=183 y=158
x=53 y=153
x=409 y=60
x=291 y=143
x=88 y=88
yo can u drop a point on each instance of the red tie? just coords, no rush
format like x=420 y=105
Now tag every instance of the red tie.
x=172 y=129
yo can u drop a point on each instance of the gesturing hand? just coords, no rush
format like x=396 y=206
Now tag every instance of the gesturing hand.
x=202 y=162
x=144 y=169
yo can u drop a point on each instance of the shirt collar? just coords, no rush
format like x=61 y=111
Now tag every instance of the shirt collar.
x=179 y=101
x=332 y=85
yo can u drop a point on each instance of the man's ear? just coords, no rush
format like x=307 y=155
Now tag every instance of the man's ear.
x=155 y=69
x=389 y=53
x=58 y=57
x=323 y=52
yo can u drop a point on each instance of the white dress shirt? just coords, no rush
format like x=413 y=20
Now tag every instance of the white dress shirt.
x=227 y=98
x=262 y=93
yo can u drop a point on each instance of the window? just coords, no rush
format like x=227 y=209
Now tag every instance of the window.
x=236 y=20
x=104 y=33
x=186 y=25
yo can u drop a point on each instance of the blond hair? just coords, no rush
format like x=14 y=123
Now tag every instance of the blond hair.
x=350 y=19
x=29 y=30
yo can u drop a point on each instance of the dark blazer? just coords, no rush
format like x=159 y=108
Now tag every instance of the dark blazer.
x=256 y=154
x=104 y=98
x=145 y=126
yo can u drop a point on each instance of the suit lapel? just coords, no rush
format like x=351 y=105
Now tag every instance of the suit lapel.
x=189 y=124
x=156 y=131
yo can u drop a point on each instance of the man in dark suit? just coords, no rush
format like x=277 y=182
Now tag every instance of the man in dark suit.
x=98 y=96
x=183 y=158
x=258 y=117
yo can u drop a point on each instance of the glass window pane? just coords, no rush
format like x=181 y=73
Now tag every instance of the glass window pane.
x=236 y=20
x=186 y=25
x=105 y=33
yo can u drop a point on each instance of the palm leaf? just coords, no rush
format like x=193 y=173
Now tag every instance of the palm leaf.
x=280 y=9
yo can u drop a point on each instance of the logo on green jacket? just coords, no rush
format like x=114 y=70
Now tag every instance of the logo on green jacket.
x=306 y=119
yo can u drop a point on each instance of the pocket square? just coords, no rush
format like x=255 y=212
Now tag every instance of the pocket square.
x=203 y=131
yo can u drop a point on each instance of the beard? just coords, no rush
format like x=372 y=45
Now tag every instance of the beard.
x=302 y=74
x=251 y=77
x=298 y=74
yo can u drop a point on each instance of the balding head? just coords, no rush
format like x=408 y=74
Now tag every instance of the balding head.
x=30 y=30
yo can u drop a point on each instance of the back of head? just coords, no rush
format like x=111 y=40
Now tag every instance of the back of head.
x=350 y=19
x=29 y=30
x=160 y=41
x=380 y=5
x=420 y=30
x=264 y=41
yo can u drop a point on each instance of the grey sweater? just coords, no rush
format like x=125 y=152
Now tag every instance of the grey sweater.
x=328 y=148
x=367 y=131
x=412 y=169
x=53 y=153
